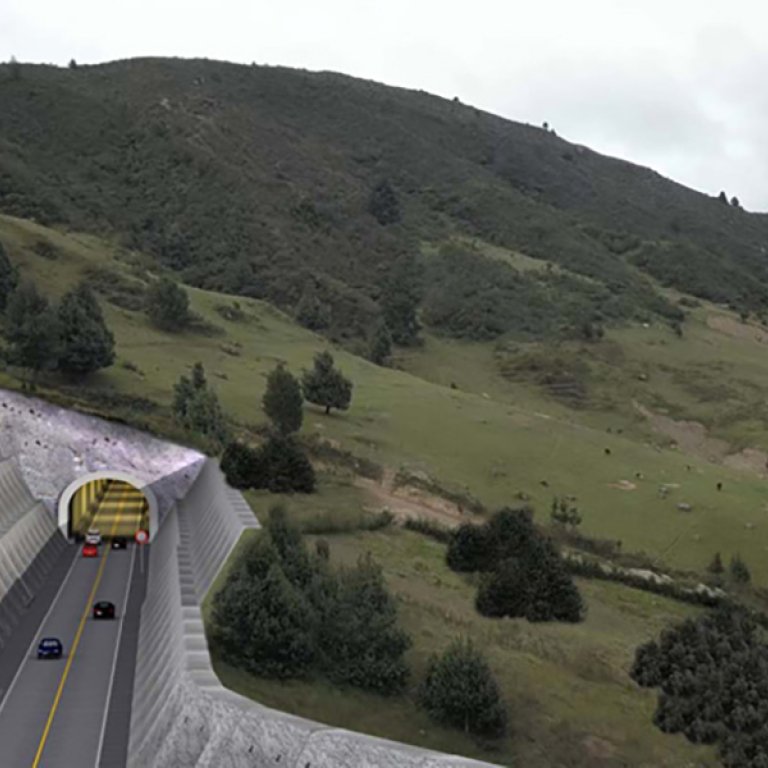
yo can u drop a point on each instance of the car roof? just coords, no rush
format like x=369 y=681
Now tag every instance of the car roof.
x=50 y=641
x=103 y=602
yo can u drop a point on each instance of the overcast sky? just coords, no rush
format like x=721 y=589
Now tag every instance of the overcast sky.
x=678 y=85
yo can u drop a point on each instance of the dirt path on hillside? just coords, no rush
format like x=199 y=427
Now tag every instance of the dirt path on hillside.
x=406 y=502
x=692 y=438
x=738 y=330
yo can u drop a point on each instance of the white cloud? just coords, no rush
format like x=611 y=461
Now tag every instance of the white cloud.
x=674 y=84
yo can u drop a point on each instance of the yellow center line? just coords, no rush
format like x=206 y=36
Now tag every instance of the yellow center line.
x=75 y=643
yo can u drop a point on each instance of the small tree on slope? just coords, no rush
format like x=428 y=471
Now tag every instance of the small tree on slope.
x=325 y=385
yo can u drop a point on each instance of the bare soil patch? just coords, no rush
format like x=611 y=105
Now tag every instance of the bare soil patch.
x=737 y=329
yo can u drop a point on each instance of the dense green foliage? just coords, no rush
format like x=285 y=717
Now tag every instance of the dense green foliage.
x=279 y=465
x=168 y=305
x=400 y=299
x=713 y=676
x=282 y=401
x=31 y=329
x=325 y=385
x=197 y=163
x=380 y=345
x=9 y=277
x=739 y=570
x=87 y=344
x=523 y=574
x=460 y=691
x=196 y=406
x=285 y=613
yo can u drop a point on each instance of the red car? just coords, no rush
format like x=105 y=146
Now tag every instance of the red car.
x=90 y=550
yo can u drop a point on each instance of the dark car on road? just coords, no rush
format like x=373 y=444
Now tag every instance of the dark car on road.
x=50 y=648
x=104 y=610
x=119 y=542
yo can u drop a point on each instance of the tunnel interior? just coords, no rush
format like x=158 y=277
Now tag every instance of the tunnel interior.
x=115 y=507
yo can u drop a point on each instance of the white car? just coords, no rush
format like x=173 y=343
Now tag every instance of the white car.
x=93 y=536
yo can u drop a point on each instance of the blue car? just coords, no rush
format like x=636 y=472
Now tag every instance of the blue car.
x=50 y=648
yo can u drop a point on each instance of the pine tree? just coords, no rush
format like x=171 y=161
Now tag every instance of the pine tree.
x=242 y=466
x=87 y=344
x=460 y=691
x=197 y=408
x=168 y=305
x=32 y=329
x=286 y=467
x=282 y=401
x=380 y=345
x=265 y=625
x=9 y=278
x=739 y=571
x=399 y=301
x=326 y=386
x=716 y=566
x=360 y=641
x=383 y=204
x=311 y=312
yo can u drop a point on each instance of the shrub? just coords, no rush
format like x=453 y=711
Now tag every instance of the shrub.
x=167 y=305
x=242 y=466
x=468 y=548
x=282 y=401
x=460 y=691
x=286 y=467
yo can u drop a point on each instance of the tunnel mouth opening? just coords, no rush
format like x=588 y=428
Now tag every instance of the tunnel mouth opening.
x=115 y=506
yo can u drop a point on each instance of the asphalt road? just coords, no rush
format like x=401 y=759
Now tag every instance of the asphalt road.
x=67 y=713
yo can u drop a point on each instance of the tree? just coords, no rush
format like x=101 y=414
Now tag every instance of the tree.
x=286 y=467
x=168 y=305
x=32 y=329
x=310 y=311
x=380 y=345
x=326 y=386
x=400 y=299
x=72 y=64
x=564 y=513
x=282 y=401
x=460 y=691
x=722 y=197
x=383 y=204
x=467 y=548
x=360 y=641
x=289 y=544
x=243 y=466
x=9 y=278
x=716 y=566
x=739 y=570
x=87 y=344
x=735 y=202
x=265 y=625
x=197 y=408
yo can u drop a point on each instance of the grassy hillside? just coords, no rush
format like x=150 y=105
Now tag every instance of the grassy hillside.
x=256 y=180
x=570 y=699
x=497 y=446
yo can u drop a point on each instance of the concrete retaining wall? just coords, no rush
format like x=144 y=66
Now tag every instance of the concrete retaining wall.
x=30 y=544
x=182 y=716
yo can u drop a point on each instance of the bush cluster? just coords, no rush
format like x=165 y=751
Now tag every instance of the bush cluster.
x=285 y=613
x=712 y=673
x=523 y=574
x=279 y=465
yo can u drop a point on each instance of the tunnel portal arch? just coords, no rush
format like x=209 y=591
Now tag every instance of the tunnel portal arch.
x=65 y=500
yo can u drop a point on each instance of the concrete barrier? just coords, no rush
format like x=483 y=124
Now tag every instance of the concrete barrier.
x=30 y=544
x=182 y=716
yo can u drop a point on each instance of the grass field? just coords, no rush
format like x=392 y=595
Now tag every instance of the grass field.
x=570 y=700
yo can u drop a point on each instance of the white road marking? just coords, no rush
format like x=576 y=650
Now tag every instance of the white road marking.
x=103 y=732
x=36 y=636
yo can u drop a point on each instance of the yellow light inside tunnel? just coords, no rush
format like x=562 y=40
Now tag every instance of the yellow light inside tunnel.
x=105 y=504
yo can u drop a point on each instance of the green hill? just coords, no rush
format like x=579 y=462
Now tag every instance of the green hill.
x=256 y=180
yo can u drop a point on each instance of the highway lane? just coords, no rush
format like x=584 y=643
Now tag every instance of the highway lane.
x=55 y=712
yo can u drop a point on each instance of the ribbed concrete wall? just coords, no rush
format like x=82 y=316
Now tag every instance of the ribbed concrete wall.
x=29 y=546
x=182 y=716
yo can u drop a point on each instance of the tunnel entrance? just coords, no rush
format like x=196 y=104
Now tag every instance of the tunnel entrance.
x=114 y=503
x=114 y=507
